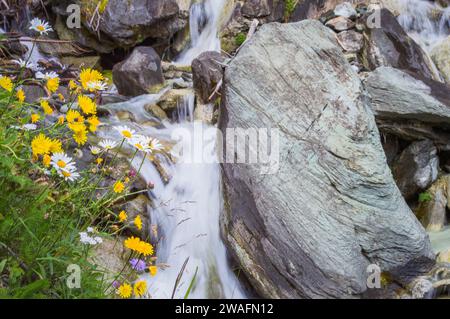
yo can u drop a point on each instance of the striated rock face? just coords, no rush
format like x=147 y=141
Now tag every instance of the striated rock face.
x=138 y=73
x=207 y=71
x=389 y=45
x=410 y=106
x=311 y=228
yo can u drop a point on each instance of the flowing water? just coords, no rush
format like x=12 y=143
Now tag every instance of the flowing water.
x=426 y=22
x=187 y=209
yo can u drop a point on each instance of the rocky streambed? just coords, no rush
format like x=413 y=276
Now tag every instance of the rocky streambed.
x=362 y=112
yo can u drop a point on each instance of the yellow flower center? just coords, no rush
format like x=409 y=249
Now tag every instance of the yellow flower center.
x=61 y=164
x=126 y=133
x=66 y=174
x=139 y=146
x=40 y=28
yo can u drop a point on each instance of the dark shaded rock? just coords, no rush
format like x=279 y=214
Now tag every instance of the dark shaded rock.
x=256 y=8
x=133 y=208
x=390 y=45
x=314 y=9
x=207 y=72
x=416 y=168
x=311 y=227
x=138 y=73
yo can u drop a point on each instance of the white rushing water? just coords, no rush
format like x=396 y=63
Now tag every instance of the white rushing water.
x=204 y=23
x=187 y=209
x=426 y=22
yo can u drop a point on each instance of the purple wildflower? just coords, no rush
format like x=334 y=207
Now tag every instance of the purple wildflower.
x=138 y=264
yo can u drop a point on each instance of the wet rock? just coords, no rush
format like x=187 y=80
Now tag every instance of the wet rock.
x=33 y=93
x=172 y=98
x=156 y=111
x=235 y=30
x=332 y=207
x=207 y=72
x=389 y=45
x=340 y=24
x=350 y=41
x=205 y=113
x=138 y=206
x=314 y=9
x=441 y=57
x=138 y=73
x=432 y=208
x=416 y=168
x=345 y=10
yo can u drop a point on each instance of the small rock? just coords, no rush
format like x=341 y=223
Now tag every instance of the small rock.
x=345 y=10
x=92 y=62
x=432 y=210
x=170 y=101
x=138 y=206
x=156 y=111
x=417 y=168
x=207 y=72
x=440 y=55
x=138 y=73
x=350 y=41
x=340 y=24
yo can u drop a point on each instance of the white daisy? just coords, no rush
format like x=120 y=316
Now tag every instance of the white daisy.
x=24 y=64
x=97 y=86
x=95 y=150
x=108 y=144
x=142 y=143
x=40 y=26
x=155 y=145
x=69 y=174
x=46 y=75
x=25 y=127
x=61 y=161
x=125 y=131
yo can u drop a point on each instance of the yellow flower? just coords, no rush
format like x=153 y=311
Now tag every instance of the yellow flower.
x=153 y=270
x=119 y=187
x=99 y=160
x=80 y=136
x=20 y=95
x=72 y=85
x=125 y=291
x=94 y=122
x=6 y=83
x=46 y=107
x=61 y=120
x=35 y=118
x=73 y=116
x=140 y=288
x=41 y=145
x=138 y=222
x=56 y=146
x=139 y=246
x=53 y=84
x=87 y=105
x=88 y=75
x=123 y=216
x=61 y=97
x=46 y=160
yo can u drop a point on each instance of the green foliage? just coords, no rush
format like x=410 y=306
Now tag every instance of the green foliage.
x=289 y=8
x=240 y=39
x=425 y=197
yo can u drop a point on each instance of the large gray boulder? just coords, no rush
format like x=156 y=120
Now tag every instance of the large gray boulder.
x=138 y=73
x=312 y=228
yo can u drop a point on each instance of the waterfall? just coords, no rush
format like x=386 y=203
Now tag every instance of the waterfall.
x=426 y=22
x=204 y=24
